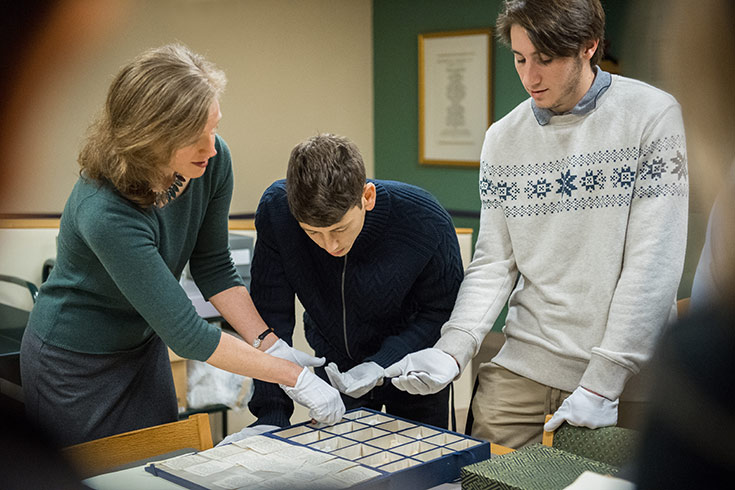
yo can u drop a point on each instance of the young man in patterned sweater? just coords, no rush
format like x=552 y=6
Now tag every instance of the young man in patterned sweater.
x=376 y=265
x=583 y=230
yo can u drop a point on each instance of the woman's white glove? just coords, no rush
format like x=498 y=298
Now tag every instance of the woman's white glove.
x=247 y=432
x=356 y=381
x=324 y=402
x=284 y=351
x=423 y=372
x=584 y=409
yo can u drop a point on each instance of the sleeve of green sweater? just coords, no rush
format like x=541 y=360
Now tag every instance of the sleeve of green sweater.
x=122 y=237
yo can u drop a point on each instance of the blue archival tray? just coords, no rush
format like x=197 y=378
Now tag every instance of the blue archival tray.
x=397 y=452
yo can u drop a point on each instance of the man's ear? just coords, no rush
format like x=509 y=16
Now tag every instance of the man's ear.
x=589 y=49
x=368 y=196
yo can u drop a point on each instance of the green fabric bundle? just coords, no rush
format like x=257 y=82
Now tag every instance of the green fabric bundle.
x=534 y=467
x=610 y=445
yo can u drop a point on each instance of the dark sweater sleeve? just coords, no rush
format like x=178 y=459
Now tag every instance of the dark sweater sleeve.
x=433 y=296
x=274 y=298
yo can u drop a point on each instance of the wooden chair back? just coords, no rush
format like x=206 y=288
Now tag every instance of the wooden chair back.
x=547 y=438
x=103 y=455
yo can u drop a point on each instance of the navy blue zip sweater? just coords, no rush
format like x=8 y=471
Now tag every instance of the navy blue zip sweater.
x=389 y=296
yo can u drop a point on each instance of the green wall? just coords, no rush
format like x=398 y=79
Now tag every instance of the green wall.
x=396 y=26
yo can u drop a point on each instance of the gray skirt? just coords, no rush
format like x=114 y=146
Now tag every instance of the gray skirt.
x=76 y=397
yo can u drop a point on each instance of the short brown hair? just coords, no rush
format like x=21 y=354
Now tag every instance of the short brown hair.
x=156 y=104
x=557 y=28
x=325 y=179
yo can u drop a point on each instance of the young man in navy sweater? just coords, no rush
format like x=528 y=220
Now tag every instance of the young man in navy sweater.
x=376 y=265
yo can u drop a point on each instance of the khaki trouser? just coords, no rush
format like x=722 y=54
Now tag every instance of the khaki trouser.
x=509 y=409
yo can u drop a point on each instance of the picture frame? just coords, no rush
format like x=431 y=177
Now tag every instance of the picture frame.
x=455 y=96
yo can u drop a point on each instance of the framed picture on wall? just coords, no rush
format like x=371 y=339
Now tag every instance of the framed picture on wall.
x=455 y=103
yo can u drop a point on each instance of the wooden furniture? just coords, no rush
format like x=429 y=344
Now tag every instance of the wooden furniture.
x=105 y=454
x=547 y=439
x=498 y=450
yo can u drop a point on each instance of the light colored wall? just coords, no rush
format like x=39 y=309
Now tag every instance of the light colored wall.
x=295 y=68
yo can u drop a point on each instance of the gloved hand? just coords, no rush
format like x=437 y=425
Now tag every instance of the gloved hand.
x=284 y=351
x=584 y=409
x=356 y=381
x=423 y=372
x=247 y=432
x=324 y=402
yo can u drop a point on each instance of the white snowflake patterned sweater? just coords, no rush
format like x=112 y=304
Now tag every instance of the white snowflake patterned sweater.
x=591 y=211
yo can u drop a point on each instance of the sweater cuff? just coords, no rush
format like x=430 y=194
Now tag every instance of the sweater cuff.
x=385 y=357
x=270 y=405
x=273 y=417
x=605 y=377
x=459 y=344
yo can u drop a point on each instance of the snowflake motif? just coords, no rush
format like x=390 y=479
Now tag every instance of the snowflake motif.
x=653 y=169
x=623 y=176
x=680 y=169
x=539 y=189
x=485 y=186
x=504 y=190
x=565 y=184
x=593 y=180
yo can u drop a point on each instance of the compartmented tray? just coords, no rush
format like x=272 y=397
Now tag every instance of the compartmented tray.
x=366 y=450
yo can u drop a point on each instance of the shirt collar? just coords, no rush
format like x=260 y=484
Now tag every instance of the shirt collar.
x=600 y=84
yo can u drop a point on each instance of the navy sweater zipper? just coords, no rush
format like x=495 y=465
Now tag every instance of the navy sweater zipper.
x=344 y=309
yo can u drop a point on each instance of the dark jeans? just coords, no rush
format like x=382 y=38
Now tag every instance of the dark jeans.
x=426 y=409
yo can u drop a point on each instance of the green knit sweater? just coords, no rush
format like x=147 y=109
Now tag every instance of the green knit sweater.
x=115 y=282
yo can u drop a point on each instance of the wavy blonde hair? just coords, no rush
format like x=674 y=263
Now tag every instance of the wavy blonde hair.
x=156 y=104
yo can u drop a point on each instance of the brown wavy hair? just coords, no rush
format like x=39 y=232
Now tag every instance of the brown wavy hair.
x=557 y=28
x=156 y=104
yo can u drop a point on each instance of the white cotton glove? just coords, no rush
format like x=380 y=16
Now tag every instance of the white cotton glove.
x=247 y=432
x=423 y=372
x=284 y=351
x=584 y=409
x=356 y=381
x=324 y=402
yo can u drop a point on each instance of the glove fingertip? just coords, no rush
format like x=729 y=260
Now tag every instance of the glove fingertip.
x=551 y=425
x=395 y=369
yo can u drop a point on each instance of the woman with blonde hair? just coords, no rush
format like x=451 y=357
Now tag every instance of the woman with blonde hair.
x=153 y=194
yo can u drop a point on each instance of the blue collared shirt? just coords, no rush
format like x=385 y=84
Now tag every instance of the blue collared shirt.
x=601 y=83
